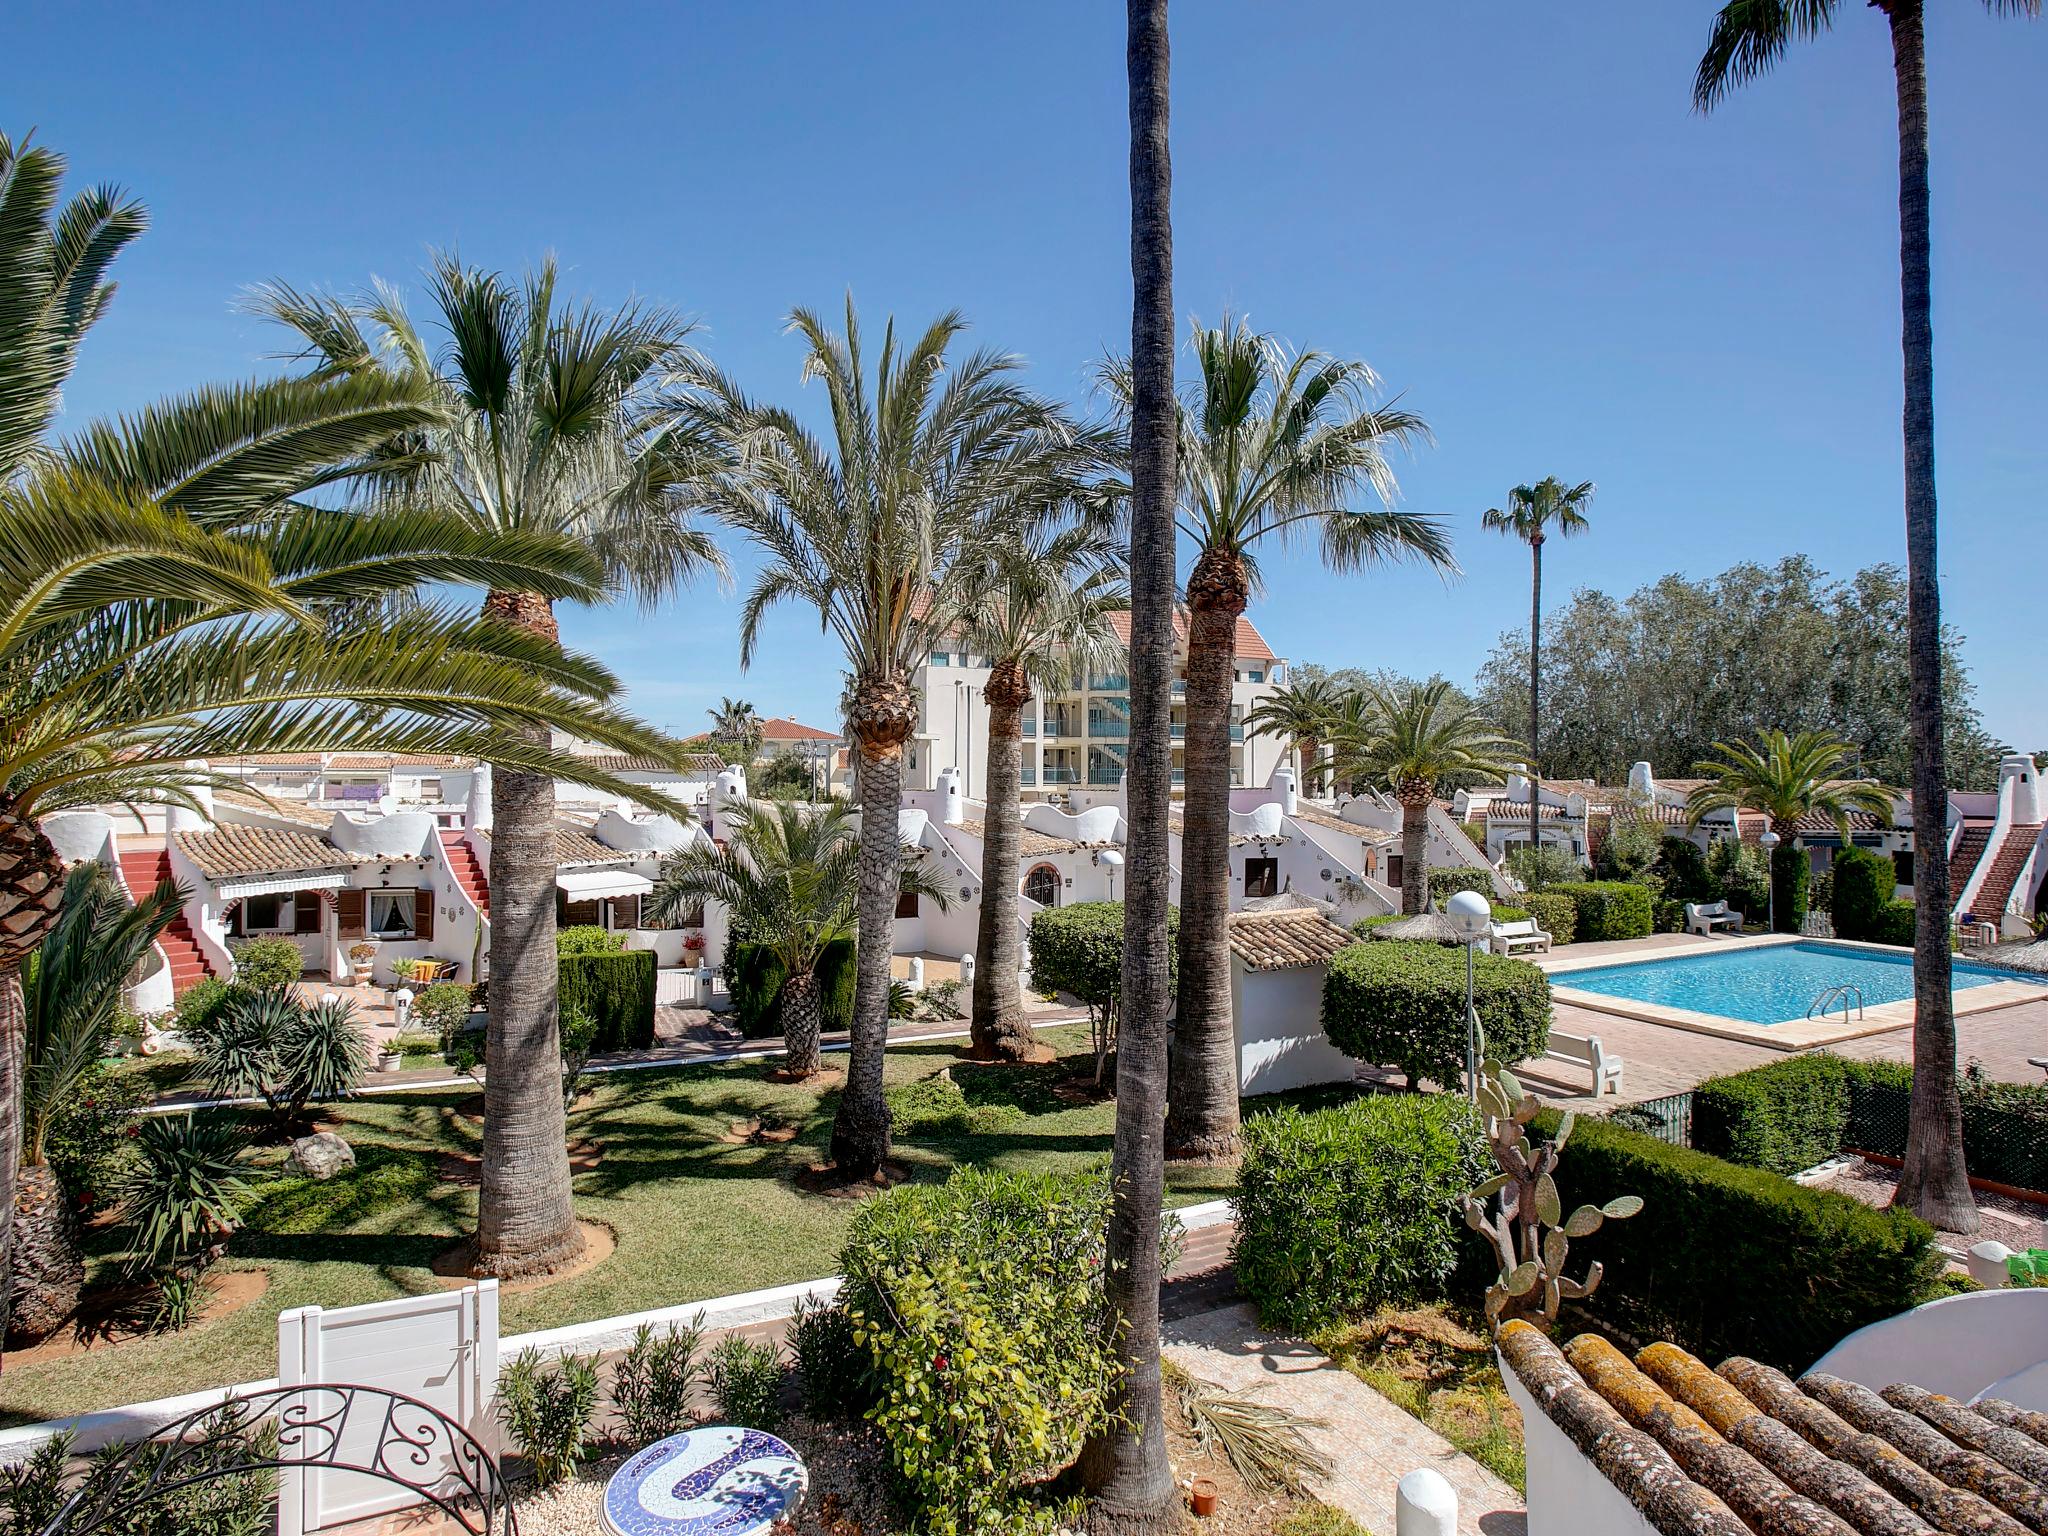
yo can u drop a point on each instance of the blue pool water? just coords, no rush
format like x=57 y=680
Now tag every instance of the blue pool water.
x=1772 y=984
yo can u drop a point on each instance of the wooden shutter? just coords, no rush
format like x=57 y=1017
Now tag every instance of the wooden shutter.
x=305 y=911
x=626 y=911
x=423 y=914
x=906 y=904
x=348 y=914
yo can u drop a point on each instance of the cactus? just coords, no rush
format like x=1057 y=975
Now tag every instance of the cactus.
x=1527 y=1226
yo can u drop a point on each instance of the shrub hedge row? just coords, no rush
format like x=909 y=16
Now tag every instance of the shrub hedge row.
x=1402 y=1005
x=1608 y=909
x=1557 y=915
x=754 y=977
x=616 y=991
x=1728 y=1260
x=1079 y=949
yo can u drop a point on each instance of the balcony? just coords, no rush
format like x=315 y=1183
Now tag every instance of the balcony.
x=1237 y=732
x=1109 y=727
x=1058 y=775
x=1105 y=777
x=1030 y=727
x=1180 y=686
x=1179 y=729
x=1109 y=682
x=1028 y=776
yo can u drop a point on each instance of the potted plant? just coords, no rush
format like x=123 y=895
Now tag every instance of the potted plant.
x=389 y=1057
x=360 y=958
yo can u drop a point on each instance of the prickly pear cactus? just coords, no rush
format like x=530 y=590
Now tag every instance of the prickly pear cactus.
x=1519 y=1211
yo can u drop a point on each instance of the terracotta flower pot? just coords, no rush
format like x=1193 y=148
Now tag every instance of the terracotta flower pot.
x=1202 y=1496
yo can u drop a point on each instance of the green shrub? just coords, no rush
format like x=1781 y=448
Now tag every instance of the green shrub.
x=1670 y=916
x=588 y=939
x=1343 y=1209
x=141 y=1488
x=547 y=1411
x=1080 y=950
x=1540 y=868
x=746 y=1381
x=261 y=964
x=934 y=1107
x=1402 y=1005
x=831 y=1367
x=1510 y=914
x=1364 y=926
x=1864 y=882
x=1725 y=1260
x=183 y=1191
x=1682 y=866
x=754 y=977
x=1791 y=871
x=1446 y=881
x=444 y=1008
x=86 y=1142
x=980 y=1304
x=1784 y=1117
x=652 y=1382
x=1820 y=891
x=270 y=1046
x=1609 y=909
x=1895 y=923
x=617 y=991
x=199 y=1005
x=1556 y=915
x=1745 y=881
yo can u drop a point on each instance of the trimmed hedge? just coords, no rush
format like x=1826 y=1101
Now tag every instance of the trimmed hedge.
x=1079 y=949
x=1556 y=915
x=1725 y=1260
x=1446 y=882
x=1345 y=1208
x=754 y=977
x=1400 y=1004
x=1864 y=882
x=616 y=991
x=1791 y=879
x=1609 y=909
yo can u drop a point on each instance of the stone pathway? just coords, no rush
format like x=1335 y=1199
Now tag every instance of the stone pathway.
x=1371 y=1444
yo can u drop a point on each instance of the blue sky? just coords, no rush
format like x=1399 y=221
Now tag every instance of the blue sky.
x=1507 y=209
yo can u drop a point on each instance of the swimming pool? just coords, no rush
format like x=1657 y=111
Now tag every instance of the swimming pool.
x=1766 y=984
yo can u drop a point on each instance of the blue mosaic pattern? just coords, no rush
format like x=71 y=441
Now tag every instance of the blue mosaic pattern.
x=715 y=1481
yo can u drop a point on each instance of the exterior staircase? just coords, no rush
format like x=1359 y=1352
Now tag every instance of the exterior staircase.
x=1970 y=848
x=2005 y=869
x=142 y=870
x=469 y=873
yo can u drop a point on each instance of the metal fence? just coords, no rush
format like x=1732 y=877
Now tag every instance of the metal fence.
x=1668 y=1119
x=1998 y=1144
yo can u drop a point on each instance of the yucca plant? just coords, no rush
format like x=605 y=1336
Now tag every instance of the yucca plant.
x=184 y=1192
x=270 y=1046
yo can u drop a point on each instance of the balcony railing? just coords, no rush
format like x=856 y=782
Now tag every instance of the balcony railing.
x=1109 y=727
x=1105 y=777
x=1027 y=775
x=1237 y=733
x=1029 y=727
x=1058 y=775
x=1109 y=682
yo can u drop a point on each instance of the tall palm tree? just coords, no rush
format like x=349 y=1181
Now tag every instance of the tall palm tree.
x=1039 y=606
x=1786 y=778
x=1750 y=36
x=789 y=874
x=167 y=596
x=868 y=527
x=1272 y=445
x=736 y=729
x=543 y=426
x=1418 y=737
x=1533 y=512
x=1299 y=714
x=1125 y=1466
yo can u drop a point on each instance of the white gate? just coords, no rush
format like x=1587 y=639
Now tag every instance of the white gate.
x=441 y=1349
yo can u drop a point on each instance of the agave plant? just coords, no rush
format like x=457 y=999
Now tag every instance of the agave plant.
x=184 y=1192
x=268 y=1045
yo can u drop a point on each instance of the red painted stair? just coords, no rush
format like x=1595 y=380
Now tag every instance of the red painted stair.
x=143 y=869
x=1969 y=849
x=2004 y=873
x=469 y=873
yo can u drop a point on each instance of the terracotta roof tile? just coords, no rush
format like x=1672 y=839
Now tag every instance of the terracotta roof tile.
x=1322 y=818
x=578 y=847
x=1031 y=843
x=1251 y=645
x=1178 y=828
x=787 y=728
x=228 y=852
x=290 y=810
x=1284 y=940
x=628 y=762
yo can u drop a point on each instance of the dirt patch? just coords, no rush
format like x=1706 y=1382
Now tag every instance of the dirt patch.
x=2019 y=1224
x=824 y=1179
x=1035 y=1055
x=599 y=1243
x=471 y=1108
x=758 y=1133
x=1082 y=1090
x=824 y=1079
x=466 y=1168
x=112 y=1315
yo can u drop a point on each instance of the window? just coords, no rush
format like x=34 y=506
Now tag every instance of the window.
x=1902 y=865
x=906 y=904
x=392 y=914
x=430 y=789
x=264 y=913
x=1042 y=885
x=1255 y=677
x=941 y=659
x=1261 y=877
x=1393 y=875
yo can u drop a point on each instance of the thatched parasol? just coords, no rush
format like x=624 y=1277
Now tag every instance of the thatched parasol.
x=1423 y=928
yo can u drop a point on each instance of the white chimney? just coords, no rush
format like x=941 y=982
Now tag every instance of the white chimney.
x=1640 y=782
x=1282 y=783
x=2019 y=777
x=180 y=818
x=729 y=788
x=952 y=799
x=480 y=796
x=1518 y=782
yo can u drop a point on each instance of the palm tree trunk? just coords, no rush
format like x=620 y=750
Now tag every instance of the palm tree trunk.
x=48 y=1257
x=802 y=1016
x=1535 y=685
x=1125 y=1467
x=1414 y=851
x=526 y=1218
x=860 y=1131
x=1933 y=1182
x=13 y=1041
x=1000 y=1030
x=1201 y=1092
x=1311 y=770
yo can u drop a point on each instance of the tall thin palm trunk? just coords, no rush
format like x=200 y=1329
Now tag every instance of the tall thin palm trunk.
x=526 y=1217
x=1933 y=1182
x=1414 y=847
x=1201 y=1112
x=1126 y=1467
x=1535 y=686
x=860 y=1131
x=999 y=1028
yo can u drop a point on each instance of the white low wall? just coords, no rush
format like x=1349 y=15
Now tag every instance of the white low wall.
x=1960 y=1346
x=1567 y=1495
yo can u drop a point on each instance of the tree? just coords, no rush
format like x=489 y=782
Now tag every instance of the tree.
x=169 y=595
x=1039 y=606
x=1750 y=36
x=1531 y=513
x=1272 y=445
x=1786 y=778
x=1125 y=1466
x=1298 y=714
x=869 y=528
x=789 y=874
x=736 y=730
x=542 y=427
x=1413 y=741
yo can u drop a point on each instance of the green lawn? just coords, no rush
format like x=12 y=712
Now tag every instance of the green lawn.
x=696 y=1217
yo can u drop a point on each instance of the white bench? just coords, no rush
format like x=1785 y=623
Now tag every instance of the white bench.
x=1703 y=917
x=1587 y=1051
x=1506 y=938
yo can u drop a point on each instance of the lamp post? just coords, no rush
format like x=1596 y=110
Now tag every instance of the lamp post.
x=1469 y=915
x=1769 y=843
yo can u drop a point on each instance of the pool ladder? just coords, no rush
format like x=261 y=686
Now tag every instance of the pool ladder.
x=1841 y=992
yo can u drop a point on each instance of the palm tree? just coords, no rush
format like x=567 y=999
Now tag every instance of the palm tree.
x=542 y=427
x=1271 y=446
x=1125 y=1466
x=868 y=528
x=166 y=596
x=736 y=730
x=1418 y=737
x=1298 y=714
x=1039 y=607
x=1531 y=513
x=1786 y=778
x=1750 y=36
x=789 y=875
